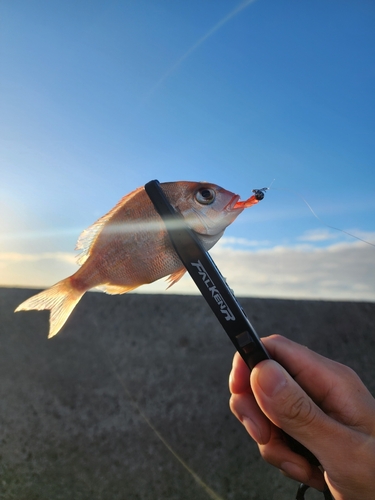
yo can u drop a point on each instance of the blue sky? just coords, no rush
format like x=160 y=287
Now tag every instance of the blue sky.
x=97 y=98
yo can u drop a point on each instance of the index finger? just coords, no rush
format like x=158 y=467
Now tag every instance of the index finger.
x=239 y=378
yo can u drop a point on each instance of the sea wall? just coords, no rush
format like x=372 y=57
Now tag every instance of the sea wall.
x=130 y=400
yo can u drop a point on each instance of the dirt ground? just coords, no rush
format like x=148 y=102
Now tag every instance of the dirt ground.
x=130 y=400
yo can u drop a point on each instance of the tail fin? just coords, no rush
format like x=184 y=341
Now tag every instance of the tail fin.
x=61 y=299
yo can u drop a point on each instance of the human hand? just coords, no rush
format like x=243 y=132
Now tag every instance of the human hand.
x=334 y=418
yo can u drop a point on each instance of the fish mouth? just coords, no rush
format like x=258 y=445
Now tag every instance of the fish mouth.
x=232 y=203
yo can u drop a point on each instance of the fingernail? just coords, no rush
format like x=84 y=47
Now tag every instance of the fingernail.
x=252 y=429
x=271 y=378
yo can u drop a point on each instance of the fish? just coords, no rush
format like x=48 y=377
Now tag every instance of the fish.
x=129 y=246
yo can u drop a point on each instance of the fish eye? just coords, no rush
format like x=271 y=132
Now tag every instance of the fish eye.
x=205 y=196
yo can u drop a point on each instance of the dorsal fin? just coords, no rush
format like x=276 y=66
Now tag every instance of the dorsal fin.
x=88 y=237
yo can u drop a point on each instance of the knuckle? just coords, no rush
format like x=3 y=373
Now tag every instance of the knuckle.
x=345 y=371
x=268 y=455
x=302 y=410
x=233 y=405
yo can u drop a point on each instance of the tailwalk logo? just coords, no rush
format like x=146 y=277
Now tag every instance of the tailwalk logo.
x=229 y=316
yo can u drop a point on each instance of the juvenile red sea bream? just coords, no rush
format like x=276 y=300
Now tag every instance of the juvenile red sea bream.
x=129 y=246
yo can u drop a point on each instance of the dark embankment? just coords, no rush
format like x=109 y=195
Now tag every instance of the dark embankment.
x=69 y=427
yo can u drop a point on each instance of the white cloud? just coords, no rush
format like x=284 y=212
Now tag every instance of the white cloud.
x=318 y=235
x=35 y=269
x=232 y=241
x=341 y=271
x=330 y=233
x=6 y=257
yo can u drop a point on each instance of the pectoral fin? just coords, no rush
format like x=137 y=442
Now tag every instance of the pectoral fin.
x=176 y=276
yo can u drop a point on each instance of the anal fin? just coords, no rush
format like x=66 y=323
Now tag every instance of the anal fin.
x=116 y=289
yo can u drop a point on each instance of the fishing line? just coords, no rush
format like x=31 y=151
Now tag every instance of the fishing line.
x=316 y=216
x=201 y=483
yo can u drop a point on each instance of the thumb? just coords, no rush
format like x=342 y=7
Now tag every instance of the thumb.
x=288 y=406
